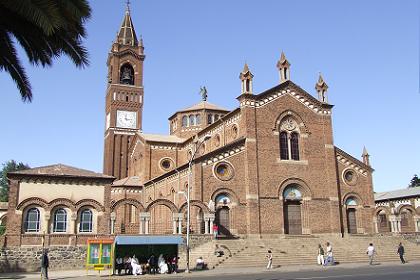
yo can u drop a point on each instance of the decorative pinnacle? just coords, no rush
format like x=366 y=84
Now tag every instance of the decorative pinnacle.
x=283 y=61
x=246 y=68
x=365 y=152
x=321 y=84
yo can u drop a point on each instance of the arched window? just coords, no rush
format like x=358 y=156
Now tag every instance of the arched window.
x=197 y=119
x=192 y=120
x=289 y=139
x=184 y=121
x=86 y=217
x=222 y=199
x=216 y=117
x=127 y=74
x=209 y=119
x=292 y=193
x=32 y=220
x=284 y=149
x=60 y=220
x=294 y=145
x=247 y=87
x=351 y=201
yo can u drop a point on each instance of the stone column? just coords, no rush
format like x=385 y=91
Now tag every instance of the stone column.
x=360 y=228
x=306 y=229
x=113 y=217
x=375 y=223
x=177 y=223
x=416 y=223
x=144 y=218
x=208 y=218
x=398 y=223
x=211 y=218
x=206 y=225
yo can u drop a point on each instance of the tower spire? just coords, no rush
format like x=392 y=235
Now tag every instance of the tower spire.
x=365 y=156
x=127 y=34
x=246 y=80
x=284 y=68
x=321 y=87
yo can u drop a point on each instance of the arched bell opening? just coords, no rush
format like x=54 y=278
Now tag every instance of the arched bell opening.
x=127 y=74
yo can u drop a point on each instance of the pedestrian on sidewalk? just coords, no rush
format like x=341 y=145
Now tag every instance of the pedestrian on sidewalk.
x=320 y=258
x=400 y=251
x=45 y=263
x=371 y=253
x=270 y=259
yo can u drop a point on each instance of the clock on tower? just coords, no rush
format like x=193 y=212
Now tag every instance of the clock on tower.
x=124 y=98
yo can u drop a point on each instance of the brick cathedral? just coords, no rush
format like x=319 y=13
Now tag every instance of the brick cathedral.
x=266 y=168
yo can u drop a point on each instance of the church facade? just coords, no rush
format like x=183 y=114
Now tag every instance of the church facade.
x=269 y=167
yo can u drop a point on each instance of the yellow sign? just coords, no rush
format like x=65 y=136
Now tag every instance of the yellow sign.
x=98 y=267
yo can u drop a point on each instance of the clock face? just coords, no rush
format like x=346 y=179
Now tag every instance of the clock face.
x=126 y=119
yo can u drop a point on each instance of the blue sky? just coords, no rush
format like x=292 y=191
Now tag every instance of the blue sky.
x=367 y=51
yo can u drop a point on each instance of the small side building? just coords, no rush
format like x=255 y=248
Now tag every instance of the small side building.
x=398 y=211
x=56 y=206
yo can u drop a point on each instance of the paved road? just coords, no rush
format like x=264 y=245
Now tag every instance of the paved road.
x=390 y=271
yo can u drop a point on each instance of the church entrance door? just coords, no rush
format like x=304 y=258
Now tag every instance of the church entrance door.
x=351 y=220
x=292 y=217
x=222 y=220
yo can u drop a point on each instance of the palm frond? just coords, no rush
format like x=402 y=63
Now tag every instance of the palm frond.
x=10 y=62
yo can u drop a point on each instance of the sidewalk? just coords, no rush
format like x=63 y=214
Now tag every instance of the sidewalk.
x=81 y=274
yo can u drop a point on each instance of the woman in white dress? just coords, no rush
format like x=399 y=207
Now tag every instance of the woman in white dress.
x=163 y=266
x=136 y=266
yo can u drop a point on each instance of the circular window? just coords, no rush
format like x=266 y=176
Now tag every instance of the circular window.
x=350 y=177
x=166 y=164
x=223 y=171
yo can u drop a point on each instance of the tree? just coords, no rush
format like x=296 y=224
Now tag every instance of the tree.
x=415 y=182
x=45 y=29
x=9 y=166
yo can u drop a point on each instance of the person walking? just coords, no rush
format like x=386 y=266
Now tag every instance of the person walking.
x=400 y=251
x=270 y=259
x=45 y=263
x=215 y=230
x=320 y=258
x=371 y=253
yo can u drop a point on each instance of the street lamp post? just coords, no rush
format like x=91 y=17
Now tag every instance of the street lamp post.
x=197 y=146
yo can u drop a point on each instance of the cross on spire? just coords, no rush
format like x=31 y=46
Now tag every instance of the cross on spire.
x=128 y=4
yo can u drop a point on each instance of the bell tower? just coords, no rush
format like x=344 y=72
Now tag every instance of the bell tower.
x=124 y=97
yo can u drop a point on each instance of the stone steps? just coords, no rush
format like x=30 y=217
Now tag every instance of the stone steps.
x=294 y=250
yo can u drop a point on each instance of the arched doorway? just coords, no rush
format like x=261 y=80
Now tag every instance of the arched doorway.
x=407 y=221
x=292 y=210
x=382 y=221
x=223 y=214
x=351 y=205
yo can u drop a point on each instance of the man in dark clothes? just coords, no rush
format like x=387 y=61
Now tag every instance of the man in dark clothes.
x=152 y=264
x=400 y=252
x=44 y=264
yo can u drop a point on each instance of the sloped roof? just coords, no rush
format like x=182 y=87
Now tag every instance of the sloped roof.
x=203 y=105
x=161 y=138
x=60 y=170
x=408 y=192
x=133 y=181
